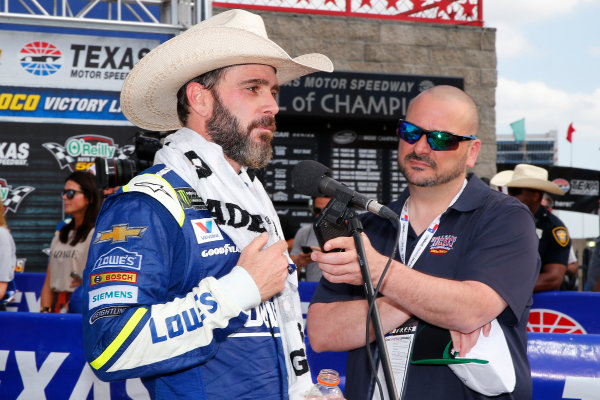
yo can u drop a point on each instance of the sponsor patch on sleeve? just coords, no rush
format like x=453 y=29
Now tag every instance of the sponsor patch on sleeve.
x=106 y=312
x=561 y=234
x=114 y=294
x=118 y=257
x=206 y=230
x=116 y=276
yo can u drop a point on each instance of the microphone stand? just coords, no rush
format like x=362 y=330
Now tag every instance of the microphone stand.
x=355 y=229
x=336 y=214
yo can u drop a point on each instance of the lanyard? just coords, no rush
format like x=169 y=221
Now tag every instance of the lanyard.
x=425 y=237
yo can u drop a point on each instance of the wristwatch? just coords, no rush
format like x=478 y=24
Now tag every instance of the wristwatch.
x=45 y=309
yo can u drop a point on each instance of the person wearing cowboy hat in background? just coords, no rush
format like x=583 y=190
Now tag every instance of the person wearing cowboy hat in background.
x=528 y=183
x=189 y=284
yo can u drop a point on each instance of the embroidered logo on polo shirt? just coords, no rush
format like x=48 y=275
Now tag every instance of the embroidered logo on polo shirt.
x=441 y=244
x=561 y=234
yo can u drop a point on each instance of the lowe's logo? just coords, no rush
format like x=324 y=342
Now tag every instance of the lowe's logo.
x=119 y=258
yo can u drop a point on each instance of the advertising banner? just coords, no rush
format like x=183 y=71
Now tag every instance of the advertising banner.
x=355 y=94
x=55 y=60
x=581 y=187
x=60 y=105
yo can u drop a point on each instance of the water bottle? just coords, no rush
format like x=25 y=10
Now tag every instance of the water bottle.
x=326 y=387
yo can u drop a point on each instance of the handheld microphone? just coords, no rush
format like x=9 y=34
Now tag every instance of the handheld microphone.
x=313 y=179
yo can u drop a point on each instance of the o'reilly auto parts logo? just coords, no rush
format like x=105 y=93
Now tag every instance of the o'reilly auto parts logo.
x=40 y=58
x=79 y=152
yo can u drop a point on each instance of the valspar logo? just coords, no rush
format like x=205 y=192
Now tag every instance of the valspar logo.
x=206 y=230
x=119 y=258
x=79 y=152
x=40 y=58
x=117 y=294
x=15 y=154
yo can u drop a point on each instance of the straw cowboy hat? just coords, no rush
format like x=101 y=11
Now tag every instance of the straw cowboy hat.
x=149 y=94
x=526 y=176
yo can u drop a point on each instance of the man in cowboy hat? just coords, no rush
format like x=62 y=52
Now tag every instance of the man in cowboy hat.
x=189 y=284
x=466 y=258
x=528 y=183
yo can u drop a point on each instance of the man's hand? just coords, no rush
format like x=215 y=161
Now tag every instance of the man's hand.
x=464 y=342
x=343 y=267
x=268 y=267
x=302 y=260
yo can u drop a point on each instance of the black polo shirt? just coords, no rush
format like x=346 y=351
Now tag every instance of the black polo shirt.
x=485 y=236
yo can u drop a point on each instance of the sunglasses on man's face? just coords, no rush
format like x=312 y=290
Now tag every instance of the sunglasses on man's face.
x=438 y=140
x=70 y=193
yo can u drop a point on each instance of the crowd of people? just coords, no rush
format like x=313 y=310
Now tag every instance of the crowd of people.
x=175 y=290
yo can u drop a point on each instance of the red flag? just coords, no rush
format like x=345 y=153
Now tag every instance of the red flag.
x=570 y=133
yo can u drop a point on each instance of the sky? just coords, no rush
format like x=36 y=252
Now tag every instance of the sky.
x=549 y=73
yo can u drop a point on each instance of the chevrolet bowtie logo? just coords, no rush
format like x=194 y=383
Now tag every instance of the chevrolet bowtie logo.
x=120 y=233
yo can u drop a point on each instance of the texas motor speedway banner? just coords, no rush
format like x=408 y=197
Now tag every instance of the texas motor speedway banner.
x=42 y=60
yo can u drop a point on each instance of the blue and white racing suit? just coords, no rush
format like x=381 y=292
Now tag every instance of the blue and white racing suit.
x=154 y=300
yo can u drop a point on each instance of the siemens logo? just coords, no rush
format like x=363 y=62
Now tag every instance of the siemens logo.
x=220 y=251
x=117 y=294
x=189 y=320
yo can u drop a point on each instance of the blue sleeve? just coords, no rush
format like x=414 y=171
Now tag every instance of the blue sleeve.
x=136 y=320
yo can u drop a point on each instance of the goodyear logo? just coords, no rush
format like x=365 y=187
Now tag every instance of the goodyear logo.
x=118 y=276
x=120 y=233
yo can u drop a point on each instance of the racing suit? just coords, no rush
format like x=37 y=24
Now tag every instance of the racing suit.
x=154 y=305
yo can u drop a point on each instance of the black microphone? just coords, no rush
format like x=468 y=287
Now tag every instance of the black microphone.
x=313 y=179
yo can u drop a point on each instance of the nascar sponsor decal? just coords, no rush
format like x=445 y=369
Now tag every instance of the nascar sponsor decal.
x=105 y=312
x=116 y=294
x=12 y=197
x=79 y=152
x=119 y=258
x=223 y=250
x=189 y=199
x=40 y=58
x=116 y=276
x=442 y=244
x=120 y=233
x=14 y=154
x=206 y=230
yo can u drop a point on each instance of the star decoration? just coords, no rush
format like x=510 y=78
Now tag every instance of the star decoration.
x=392 y=4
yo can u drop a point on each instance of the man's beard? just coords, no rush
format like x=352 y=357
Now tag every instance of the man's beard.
x=225 y=130
x=457 y=170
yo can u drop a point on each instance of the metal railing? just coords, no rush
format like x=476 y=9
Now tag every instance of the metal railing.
x=456 y=12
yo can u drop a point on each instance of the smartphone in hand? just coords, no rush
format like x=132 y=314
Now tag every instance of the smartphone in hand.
x=306 y=249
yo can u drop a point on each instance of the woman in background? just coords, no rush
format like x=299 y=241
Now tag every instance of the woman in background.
x=69 y=248
x=8 y=258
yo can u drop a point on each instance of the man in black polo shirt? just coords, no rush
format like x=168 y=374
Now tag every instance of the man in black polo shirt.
x=468 y=257
x=528 y=183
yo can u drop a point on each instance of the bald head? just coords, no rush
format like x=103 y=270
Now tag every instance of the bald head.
x=444 y=99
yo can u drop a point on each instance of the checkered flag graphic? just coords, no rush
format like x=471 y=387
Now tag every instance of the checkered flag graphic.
x=60 y=153
x=15 y=196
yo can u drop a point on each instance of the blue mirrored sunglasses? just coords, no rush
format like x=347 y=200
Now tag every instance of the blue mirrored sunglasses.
x=438 y=140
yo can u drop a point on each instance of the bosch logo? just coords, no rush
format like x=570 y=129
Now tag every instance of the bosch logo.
x=40 y=58
x=97 y=279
